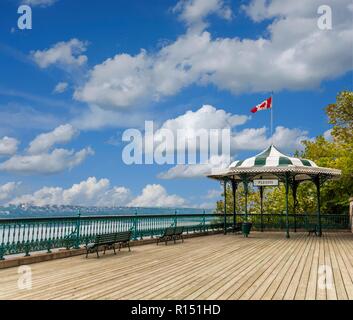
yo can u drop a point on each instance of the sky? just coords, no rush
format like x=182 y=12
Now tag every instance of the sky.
x=89 y=70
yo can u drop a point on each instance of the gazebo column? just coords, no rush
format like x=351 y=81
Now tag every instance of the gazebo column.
x=246 y=191
x=287 y=191
x=234 y=189
x=246 y=226
x=225 y=205
x=262 y=207
x=295 y=185
x=317 y=183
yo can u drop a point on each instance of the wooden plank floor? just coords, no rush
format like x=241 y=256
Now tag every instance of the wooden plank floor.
x=263 y=266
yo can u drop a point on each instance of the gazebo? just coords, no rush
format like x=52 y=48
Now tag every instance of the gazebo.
x=269 y=168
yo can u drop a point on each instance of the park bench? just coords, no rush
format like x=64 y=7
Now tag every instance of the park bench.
x=178 y=234
x=171 y=233
x=108 y=241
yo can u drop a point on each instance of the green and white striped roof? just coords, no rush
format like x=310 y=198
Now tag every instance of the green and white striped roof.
x=271 y=157
x=271 y=163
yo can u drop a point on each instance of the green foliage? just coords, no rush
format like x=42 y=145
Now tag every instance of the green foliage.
x=341 y=117
x=337 y=153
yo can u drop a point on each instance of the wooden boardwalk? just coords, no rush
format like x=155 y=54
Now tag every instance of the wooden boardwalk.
x=263 y=266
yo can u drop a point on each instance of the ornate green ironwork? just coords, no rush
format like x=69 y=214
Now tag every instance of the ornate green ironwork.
x=44 y=234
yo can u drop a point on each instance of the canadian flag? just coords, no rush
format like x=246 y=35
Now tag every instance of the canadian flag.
x=267 y=104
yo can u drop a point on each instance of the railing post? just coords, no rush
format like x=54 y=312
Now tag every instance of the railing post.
x=175 y=218
x=78 y=227
x=262 y=207
x=294 y=193
x=319 y=227
x=204 y=220
x=48 y=241
x=246 y=190
x=135 y=226
x=287 y=208
x=2 y=244
x=27 y=248
x=2 y=252
x=234 y=189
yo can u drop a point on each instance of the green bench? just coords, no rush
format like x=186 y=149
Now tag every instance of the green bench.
x=178 y=234
x=108 y=241
x=171 y=233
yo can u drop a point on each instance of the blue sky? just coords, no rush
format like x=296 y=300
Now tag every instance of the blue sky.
x=164 y=58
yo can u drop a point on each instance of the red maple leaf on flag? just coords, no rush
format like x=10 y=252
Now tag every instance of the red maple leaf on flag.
x=267 y=104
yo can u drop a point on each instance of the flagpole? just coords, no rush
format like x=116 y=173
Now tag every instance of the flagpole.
x=272 y=119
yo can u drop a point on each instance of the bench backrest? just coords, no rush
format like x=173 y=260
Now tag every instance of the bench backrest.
x=123 y=236
x=106 y=238
x=178 y=231
x=169 y=231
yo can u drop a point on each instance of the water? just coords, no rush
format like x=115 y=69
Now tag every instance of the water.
x=27 y=211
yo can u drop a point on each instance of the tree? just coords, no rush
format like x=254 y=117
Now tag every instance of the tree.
x=341 y=117
x=337 y=153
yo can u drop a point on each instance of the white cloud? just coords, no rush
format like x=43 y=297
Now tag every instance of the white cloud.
x=192 y=124
x=95 y=118
x=249 y=139
x=7 y=190
x=39 y=158
x=65 y=54
x=260 y=10
x=154 y=195
x=8 y=146
x=42 y=197
x=94 y=192
x=61 y=87
x=116 y=196
x=207 y=117
x=196 y=170
x=85 y=189
x=288 y=139
x=274 y=62
x=39 y=3
x=46 y=163
x=120 y=81
x=91 y=192
x=193 y=12
x=45 y=141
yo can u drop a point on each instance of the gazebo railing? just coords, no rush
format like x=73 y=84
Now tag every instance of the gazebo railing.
x=19 y=236
x=297 y=221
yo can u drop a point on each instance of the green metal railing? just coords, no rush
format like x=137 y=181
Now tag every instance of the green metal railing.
x=19 y=236
x=38 y=234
